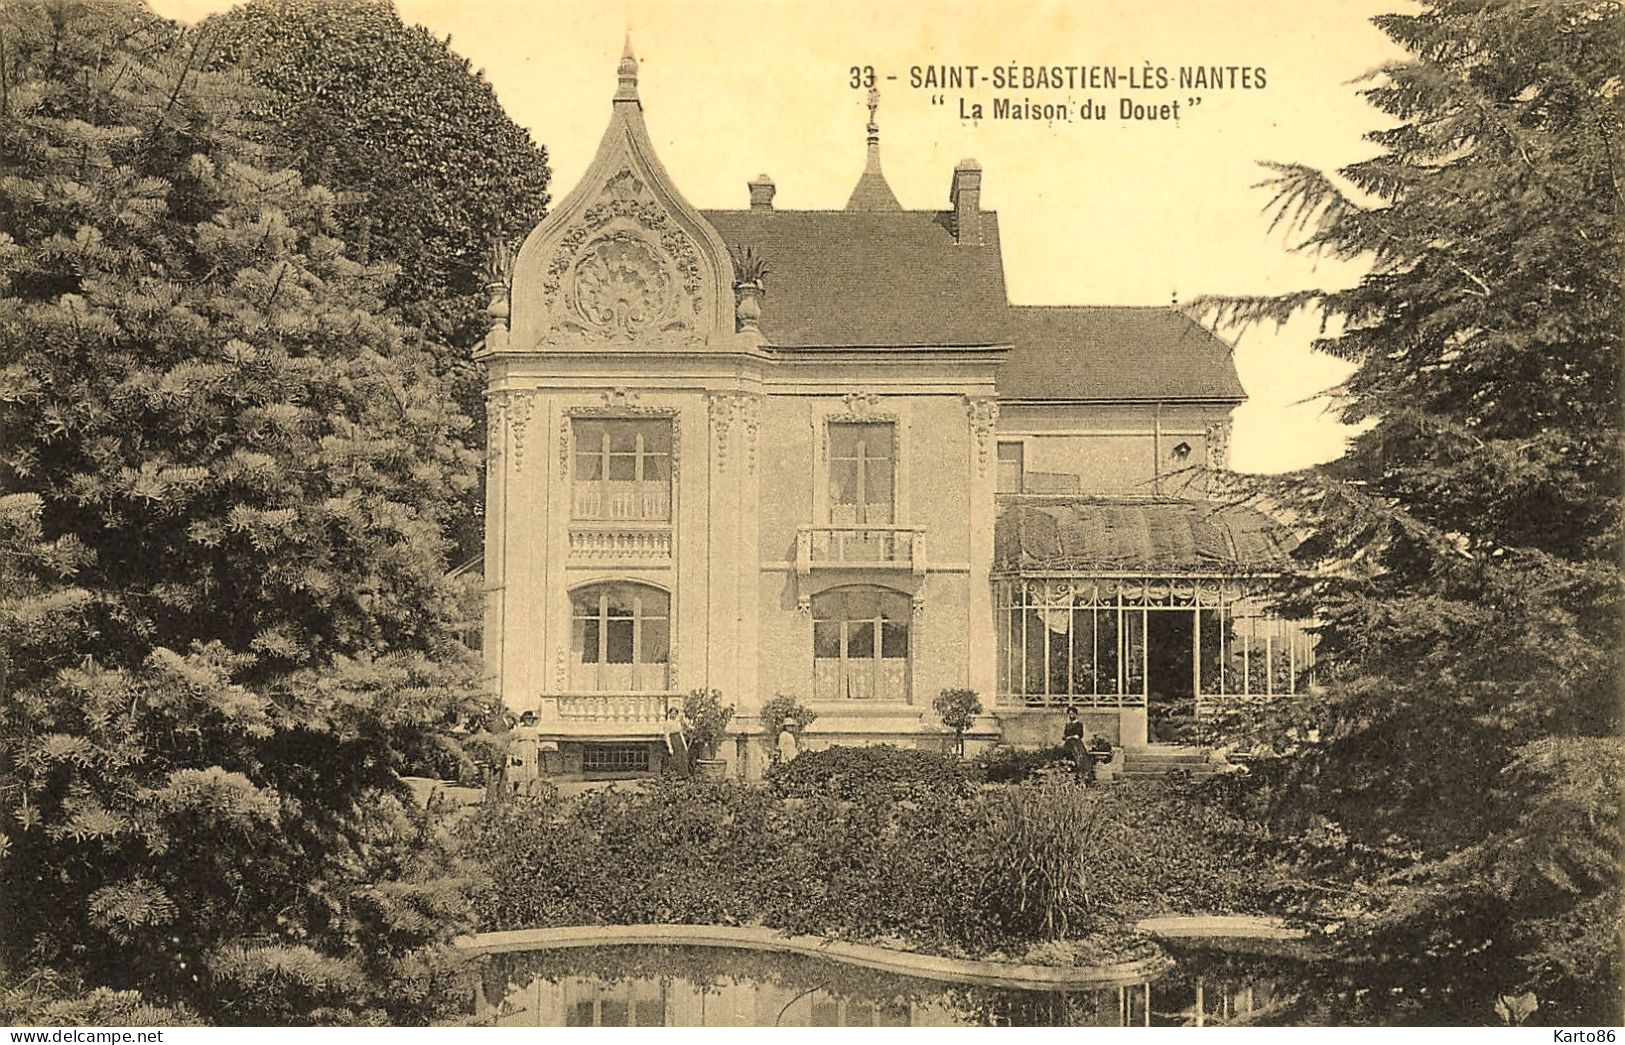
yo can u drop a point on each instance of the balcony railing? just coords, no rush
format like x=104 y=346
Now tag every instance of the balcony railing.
x=860 y=547
x=618 y=708
x=619 y=542
x=616 y=500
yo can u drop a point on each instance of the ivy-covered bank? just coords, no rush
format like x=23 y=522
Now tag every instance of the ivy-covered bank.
x=911 y=853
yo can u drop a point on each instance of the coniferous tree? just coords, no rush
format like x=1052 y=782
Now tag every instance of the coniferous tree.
x=390 y=116
x=1462 y=557
x=431 y=173
x=225 y=617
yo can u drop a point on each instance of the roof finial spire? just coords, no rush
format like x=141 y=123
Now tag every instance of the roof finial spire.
x=872 y=192
x=873 y=163
x=627 y=73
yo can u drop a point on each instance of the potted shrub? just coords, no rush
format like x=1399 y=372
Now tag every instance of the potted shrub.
x=958 y=708
x=705 y=726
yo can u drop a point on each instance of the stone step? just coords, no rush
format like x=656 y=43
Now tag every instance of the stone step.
x=1168 y=767
x=1169 y=750
x=1148 y=774
x=1150 y=763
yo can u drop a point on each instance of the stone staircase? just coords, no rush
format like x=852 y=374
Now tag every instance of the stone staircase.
x=1165 y=759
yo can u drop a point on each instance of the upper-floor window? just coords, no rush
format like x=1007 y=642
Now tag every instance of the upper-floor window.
x=620 y=638
x=862 y=487
x=1011 y=466
x=622 y=469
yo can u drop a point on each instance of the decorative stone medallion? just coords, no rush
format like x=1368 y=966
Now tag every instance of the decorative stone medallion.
x=625 y=274
x=623 y=288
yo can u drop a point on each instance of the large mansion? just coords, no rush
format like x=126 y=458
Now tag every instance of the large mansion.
x=860 y=479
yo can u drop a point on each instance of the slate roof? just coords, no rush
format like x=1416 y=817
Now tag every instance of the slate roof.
x=846 y=279
x=1114 y=352
x=1138 y=537
x=872 y=193
x=874 y=279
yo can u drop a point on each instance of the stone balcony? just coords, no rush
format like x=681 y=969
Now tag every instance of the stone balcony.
x=860 y=547
x=620 y=541
x=606 y=714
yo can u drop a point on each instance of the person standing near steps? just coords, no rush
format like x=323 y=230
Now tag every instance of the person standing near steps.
x=1075 y=738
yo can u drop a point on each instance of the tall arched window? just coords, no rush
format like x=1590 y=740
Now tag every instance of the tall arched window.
x=860 y=644
x=620 y=638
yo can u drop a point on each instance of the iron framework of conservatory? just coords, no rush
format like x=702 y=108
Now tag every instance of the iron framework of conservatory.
x=1083 y=639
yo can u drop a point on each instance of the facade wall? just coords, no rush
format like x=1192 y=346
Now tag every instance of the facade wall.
x=939 y=475
x=751 y=473
x=1127 y=450
x=826 y=512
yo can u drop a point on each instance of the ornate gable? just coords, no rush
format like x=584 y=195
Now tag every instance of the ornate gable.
x=624 y=261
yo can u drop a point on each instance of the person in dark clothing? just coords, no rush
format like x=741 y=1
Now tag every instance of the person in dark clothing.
x=1075 y=738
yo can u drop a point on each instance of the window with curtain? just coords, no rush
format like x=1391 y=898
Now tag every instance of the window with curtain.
x=861 y=644
x=622 y=469
x=620 y=638
x=861 y=473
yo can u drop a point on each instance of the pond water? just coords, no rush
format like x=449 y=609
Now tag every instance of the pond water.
x=624 y=986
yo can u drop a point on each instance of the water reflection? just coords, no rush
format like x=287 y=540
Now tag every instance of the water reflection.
x=701 y=987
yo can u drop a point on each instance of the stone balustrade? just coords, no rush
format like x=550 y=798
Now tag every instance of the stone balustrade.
x=642 y=708
x=620 y=542
x=860 y=547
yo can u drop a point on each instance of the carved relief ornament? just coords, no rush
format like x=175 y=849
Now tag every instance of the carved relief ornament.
x=495 y=415
x=731 y=409
x=624 y=273
x=1217 y=437
x=983 y=414
x=861 y=405
x=518 y=406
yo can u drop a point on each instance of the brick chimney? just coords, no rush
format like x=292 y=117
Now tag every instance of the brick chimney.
x=761 y=193
x=966 y=197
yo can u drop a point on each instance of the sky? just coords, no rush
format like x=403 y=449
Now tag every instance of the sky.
x=1104 y=211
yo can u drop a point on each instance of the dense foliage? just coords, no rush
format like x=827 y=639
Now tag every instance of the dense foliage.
x=431 y=175
x=705 y=722
x=1464 y=554
x=879 y=770
x=225 y=620
x=436 y=171
x=946 y=869
x=43 y=998
x=783 y=711
x=1005 y=764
